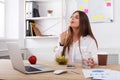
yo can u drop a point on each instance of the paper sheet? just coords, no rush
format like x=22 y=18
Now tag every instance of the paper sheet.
x=104 y=74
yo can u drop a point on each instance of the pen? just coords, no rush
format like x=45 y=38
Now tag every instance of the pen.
x=75 y=72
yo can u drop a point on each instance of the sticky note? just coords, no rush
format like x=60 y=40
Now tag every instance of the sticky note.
x=107 y=0
x=104 y=0
x=101 y=17
x=81 y=8
x=86 y=11
x=95 y=17
x=86 y=1
x=108 y=4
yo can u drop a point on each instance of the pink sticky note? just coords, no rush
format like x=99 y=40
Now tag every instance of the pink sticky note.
x=108 y=4
x=86 y=11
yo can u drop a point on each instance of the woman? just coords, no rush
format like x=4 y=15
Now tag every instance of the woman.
x=77 y=39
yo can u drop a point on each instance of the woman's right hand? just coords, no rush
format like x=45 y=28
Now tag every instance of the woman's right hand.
x=63 y=37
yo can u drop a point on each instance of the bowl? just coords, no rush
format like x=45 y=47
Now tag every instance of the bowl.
x=62 y=60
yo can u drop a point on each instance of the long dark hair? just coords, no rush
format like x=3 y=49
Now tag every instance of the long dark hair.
x=84 y=30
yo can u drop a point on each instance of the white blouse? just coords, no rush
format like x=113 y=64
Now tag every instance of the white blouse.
x=87 y=44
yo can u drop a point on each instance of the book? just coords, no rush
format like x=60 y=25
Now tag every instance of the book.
x=35 y=30
x=31 y=29
x=36 y=12
x=29 y=10
x=27 y=28
x=32 y=9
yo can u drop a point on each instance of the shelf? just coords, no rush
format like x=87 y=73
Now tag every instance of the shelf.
x=40 y=0
x=40 y=18
x=39 y=37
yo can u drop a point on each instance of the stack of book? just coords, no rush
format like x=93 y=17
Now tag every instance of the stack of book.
x=31 y=29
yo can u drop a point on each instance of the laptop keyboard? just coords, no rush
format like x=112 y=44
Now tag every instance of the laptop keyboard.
x=31 y=69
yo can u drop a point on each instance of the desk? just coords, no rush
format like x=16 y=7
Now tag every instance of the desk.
x=8 y=73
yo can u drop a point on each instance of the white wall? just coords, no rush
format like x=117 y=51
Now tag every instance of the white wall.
x=21 y=23
x=11 y=23
x=11 y=19
x=107 y=34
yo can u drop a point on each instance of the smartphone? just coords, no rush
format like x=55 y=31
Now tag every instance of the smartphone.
x=69 y=66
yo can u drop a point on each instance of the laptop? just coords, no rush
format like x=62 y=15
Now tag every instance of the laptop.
x=18 y=64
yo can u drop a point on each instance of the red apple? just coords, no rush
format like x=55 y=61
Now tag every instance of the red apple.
x=32 y=59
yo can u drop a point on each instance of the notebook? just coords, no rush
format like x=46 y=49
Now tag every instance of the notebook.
x=18 y=64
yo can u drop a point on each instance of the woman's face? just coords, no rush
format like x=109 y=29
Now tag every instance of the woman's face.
x=74 y=20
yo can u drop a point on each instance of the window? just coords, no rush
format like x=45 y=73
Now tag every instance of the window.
x=2 y=18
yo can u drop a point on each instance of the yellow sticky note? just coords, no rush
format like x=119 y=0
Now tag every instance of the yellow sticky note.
x=81 y=8
x=95 y=17
x=107 y=0
x=86 y=1
x=101 y=17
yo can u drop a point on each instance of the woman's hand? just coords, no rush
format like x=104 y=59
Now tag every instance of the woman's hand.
x=91 y=62
x=63 y=37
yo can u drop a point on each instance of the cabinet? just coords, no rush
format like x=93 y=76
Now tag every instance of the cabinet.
x=49 y=24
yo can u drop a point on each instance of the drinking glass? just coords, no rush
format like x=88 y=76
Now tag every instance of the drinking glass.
x=86 y=55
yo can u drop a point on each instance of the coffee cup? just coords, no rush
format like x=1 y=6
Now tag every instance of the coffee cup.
x=102 y=58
